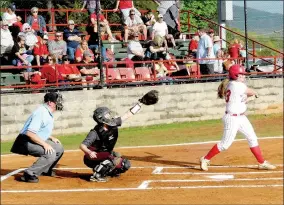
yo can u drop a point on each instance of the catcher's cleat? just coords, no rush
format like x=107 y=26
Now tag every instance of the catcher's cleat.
x=97 y=178
x=266 y=166
x=29 y=178
x=204 y=163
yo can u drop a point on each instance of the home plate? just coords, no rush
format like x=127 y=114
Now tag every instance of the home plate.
x=221 y=177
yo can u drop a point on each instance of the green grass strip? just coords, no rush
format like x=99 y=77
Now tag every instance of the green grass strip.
x=198 y=131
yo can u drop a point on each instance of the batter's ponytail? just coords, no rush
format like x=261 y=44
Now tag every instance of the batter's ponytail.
x=222 y=88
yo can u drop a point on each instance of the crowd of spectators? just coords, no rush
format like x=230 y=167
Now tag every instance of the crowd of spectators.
x=145 y=36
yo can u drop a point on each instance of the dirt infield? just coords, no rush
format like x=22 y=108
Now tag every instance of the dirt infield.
x=159 y=175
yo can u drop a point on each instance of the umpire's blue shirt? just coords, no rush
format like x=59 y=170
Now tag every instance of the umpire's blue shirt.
x=40 y=122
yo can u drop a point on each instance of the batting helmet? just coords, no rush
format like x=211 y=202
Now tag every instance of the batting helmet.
x=235 y=70
x=103 y=115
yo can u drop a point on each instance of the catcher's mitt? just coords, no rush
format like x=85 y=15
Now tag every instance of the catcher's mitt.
x=150 y=98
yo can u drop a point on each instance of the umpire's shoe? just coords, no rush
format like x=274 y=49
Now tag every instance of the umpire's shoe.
x=97 y=178
x=29 y=178
x=49 y=174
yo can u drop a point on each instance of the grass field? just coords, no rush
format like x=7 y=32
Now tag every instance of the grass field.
x=264 y=125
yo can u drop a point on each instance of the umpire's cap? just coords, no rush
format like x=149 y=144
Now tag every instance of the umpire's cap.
x=103 y=115
x=56 y=98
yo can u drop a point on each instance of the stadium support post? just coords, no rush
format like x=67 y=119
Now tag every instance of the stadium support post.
x=246 y=35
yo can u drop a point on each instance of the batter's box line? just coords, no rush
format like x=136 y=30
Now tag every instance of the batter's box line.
x=145 y=184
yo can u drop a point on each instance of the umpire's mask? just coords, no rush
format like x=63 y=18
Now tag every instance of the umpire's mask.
x=56 y=98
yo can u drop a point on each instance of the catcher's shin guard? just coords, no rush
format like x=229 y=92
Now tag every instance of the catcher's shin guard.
x=104 y=168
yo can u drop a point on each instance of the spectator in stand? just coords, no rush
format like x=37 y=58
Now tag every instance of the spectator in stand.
x=21 y=58
x=68 y=71
x=234 y=49
x=31 y=38
x=89 y=72
x=41 y=51
x=211 y=34
x=193 y=45
x=157 y=49
x=161 y=70
x=73 y=39
x=125 y=6
x=149 y=20
x=91 y=5
x=58 y=47
x=205 y=50
x=160 y=28
x=104 y=26
x=50 y=72
x=93 y=42
x=81 y=49
x=6 y=42
x=19 y=23
x=134 y=24
x=217 y=44
x=37 y=22
x=135 y=51
x=10 y=16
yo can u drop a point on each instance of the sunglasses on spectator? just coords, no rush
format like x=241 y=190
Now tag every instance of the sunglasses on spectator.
x=27 y=29
x=58 y=35
x=34 y=11
x=132 y=14
x=50 y=59
x=66 y=59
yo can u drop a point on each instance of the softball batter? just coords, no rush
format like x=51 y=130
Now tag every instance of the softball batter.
x=236 y=93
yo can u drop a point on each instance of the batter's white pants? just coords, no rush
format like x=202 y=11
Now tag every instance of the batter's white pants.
x=233 y=124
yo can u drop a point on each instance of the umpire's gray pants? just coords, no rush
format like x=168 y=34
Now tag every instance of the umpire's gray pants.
x=45 y=162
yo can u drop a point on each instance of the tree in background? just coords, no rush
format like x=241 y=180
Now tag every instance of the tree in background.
x=205 y=8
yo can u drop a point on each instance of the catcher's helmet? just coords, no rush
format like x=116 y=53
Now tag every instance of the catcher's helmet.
x=235 y=70
x=103 y=115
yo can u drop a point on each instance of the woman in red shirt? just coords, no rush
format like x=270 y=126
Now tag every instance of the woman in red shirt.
x=68 y=71
x=50 y=72
x=41 y=50
x=81 y=49
x=234 y=49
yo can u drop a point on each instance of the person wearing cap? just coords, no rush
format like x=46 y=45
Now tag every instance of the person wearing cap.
x=37 y=22
x=135 y=51
x=205 y=50
x=133 y=24
x=36 y=139
x=217 y=44
x=28 y=33
x=88 y=71
x=58 y=47
x=160 y=28
x=72 y=37
x=40 y=50
x=68 y=71
x=125 y=6
x=7 y=41
x=10 y=15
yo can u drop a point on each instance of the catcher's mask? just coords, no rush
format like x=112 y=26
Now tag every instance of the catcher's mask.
x=103 y=115
x=56 y=98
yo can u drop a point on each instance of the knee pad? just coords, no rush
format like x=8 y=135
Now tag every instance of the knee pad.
x=104 y=168
x=125 y=165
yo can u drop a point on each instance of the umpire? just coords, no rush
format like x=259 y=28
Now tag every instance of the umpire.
x=35 y=139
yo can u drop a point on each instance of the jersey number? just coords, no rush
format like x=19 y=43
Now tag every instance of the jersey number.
x=228 y=94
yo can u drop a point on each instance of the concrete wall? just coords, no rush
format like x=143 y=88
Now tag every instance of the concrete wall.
x=184 y=102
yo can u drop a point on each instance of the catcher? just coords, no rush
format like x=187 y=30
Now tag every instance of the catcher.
x=99 y=144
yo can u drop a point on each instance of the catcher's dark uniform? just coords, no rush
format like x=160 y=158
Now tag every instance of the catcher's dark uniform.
x=102 y=142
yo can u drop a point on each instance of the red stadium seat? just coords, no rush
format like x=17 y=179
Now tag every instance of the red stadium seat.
x=113 y=74
x=193 y=70
x=142 y=73
x=127 y=74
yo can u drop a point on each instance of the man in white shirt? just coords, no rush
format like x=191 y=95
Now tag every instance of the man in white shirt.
x=10 y=15
x=205 y=50
x=6 y=42
x=134 y=24
x=160 y=28
x=135 y=51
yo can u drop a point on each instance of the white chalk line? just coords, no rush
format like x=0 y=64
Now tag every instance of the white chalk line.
x=209 y=173
x=146 y=183
x=11 y=174
x=167 y=145
x=157 y=170
x=138 y=189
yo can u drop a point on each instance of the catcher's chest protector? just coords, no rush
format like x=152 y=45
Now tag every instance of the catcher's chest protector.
x=107 y=138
